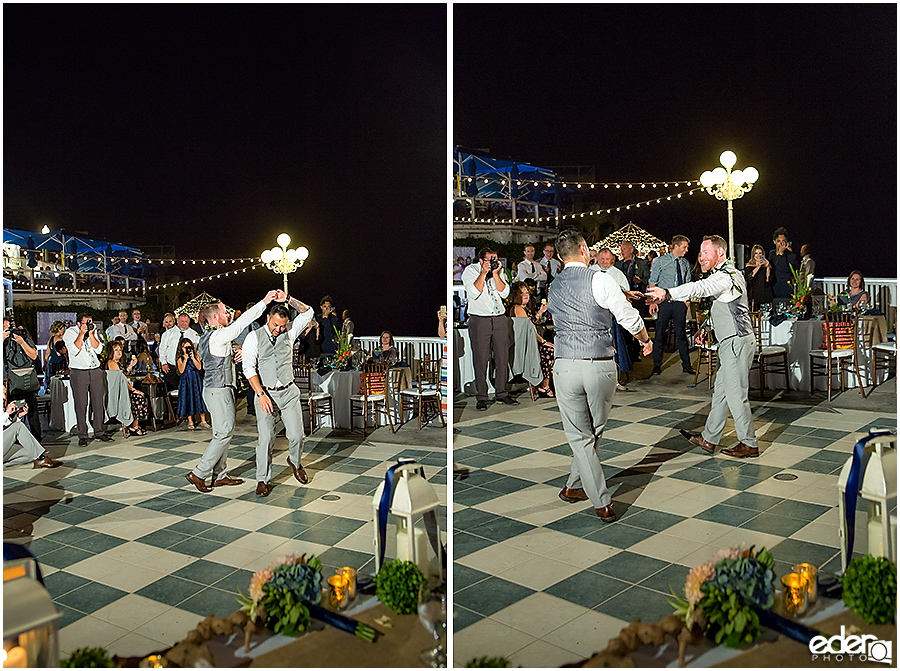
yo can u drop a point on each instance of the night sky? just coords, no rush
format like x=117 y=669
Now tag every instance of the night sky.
x=805 y=93
x=216 y=127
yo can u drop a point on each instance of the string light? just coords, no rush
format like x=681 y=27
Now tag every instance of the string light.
x=605 y=185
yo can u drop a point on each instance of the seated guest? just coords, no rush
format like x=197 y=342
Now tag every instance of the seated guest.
x=19 y=446
x=190 y=384
x=142 y=356
x=387 y=351
x=855 y=295
x=520 y=307
x=123 y=401
x=760 y=278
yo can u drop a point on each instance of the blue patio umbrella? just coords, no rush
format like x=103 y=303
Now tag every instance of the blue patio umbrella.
x=73 y=260
x=32 y=262
x=108 y=252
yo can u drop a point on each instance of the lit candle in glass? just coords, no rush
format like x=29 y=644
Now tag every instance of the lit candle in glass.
x=337 y=592
x=349 y=575
x=794 y=593
x=811 y=573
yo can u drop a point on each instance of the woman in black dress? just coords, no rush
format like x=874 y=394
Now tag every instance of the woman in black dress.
x=760 y=278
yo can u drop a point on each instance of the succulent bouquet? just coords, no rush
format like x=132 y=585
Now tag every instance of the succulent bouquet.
x=723 y=594
x=286 y=596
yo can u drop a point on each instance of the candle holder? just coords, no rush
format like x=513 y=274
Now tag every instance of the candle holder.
x=349 y=574
x=811 y=573
x=338 y=592
x=794 y=593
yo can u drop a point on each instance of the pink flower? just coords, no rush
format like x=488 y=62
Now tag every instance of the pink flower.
x=698 y=575
x=259 y=579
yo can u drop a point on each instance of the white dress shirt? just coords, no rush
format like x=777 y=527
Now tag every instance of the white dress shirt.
x=123 y=330
x=84 y=358
x=220 y=340
x=552 y=264
x=168 y=343
x=723 y=286
x=487 y=303
x=250 y=352
x=531 y=270
x=614 y=273
x=609 y=295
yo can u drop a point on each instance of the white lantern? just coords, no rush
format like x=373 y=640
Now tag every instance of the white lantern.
x=412 y=499
x=30 y=637
x=879 y=488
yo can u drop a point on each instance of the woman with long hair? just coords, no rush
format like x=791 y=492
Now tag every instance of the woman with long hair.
x=190 y=383
x=520 y=306
x=123 y=401
x=760 y=278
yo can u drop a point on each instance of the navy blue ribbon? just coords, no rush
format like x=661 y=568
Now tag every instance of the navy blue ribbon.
x=854 y=481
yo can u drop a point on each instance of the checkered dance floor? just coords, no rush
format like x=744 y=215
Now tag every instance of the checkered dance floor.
x=546 y=583
x=135 y=557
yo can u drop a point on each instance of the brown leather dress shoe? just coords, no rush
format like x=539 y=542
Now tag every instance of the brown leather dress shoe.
x=46 y=462
x=221 y=482
x=573 y=495
x=299 y=473
x=698 y=440
x=262 y=489
x=197 y=482
x=741 y=451
x=606 y=513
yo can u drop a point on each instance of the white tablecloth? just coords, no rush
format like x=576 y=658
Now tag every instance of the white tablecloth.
x=800 y=337
x=62 y=406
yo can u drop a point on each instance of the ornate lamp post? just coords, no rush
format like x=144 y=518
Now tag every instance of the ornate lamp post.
x=283 y=260
x=727 y=184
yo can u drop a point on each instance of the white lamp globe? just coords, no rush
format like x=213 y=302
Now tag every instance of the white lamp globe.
x=728 y=159
x=266 y=256
x=284 y=239
x=291 y=255
x=276 y=253
x=737 y=177
x=719 y=176
x=706 y=179
x=45 y=230
x=751 y=174
x=302 y=253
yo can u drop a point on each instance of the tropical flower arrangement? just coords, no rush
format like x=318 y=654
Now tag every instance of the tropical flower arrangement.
x=342 y=352
x=802 y=290
x=286 y=596
x=723 y=595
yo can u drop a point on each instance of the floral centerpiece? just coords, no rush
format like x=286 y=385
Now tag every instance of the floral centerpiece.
x=801 y=299
x=343 y=355
x=723 y=595
x=286 y=595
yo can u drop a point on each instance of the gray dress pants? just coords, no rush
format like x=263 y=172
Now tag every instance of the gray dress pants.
x=730 y=391
x=289 y=403
x=584 y=393
x=19 y=446
x=85 y=382
x=490 y=335
x=220 y=403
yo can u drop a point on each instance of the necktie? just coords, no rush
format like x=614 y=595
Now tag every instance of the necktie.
x=273 y=339
x=680 y=277
x=532 y=268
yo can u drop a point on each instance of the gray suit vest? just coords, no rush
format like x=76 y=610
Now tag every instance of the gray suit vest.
x=732 y=319
x=583 y=328
x=217 y=370
x=274 y=362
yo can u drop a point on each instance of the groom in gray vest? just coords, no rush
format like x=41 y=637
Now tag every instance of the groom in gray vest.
x=218 y=388
x=583 y=303
x=268 y=365
x=730 y=320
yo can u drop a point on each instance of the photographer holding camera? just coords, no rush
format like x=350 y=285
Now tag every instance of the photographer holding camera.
x=190 y=384
x=19 y=446
x=488 y=325
x=84 y=365
x=20 y=358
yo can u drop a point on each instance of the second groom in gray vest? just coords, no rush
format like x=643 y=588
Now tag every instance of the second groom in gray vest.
x=583 y=303
x=268 y=365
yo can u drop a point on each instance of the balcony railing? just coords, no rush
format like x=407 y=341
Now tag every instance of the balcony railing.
x=52 y=280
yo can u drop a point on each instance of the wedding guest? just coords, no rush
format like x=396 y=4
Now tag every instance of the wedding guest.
x=56 y=361
x=387 y=351
x=329 y=326
x=15 y=433
x=20 y=358
x=142 y=357
x=123 y=401
x=520 y=307
x=551 y=265
x=807 y=264
x=529 y=269
x=782 y=259
x=84 y=366
x=190 y=384
x=121 y=327
x=855 y=295
x=759 y=277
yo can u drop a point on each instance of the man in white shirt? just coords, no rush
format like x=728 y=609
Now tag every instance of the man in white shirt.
x=488 y=325
x=122 y=329
x=550 y=265
x=583 y=303
x=137 y=324
x=605 y=263
x=168 y=347
x=86 y=377
x=529 y=269
x=218 y=391
x=268 y=365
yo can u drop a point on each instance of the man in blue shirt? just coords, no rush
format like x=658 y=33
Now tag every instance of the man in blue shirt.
x=669 y=271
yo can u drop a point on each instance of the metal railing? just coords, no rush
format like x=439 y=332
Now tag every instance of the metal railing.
x=882 y=293
x=35 y=280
